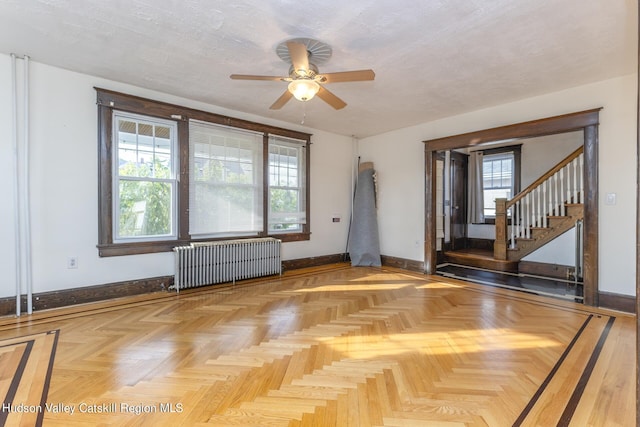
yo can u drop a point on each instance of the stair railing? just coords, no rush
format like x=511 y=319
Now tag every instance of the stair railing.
x=545 y=197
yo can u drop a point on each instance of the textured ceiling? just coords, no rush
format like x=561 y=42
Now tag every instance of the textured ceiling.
x=432 y=59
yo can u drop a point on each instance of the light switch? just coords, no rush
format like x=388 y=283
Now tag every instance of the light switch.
x=610 y=199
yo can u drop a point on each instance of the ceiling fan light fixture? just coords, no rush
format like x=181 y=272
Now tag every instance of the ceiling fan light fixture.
x=304 y=89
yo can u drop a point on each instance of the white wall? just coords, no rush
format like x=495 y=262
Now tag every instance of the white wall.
x=64 y=184
x=64 y=179
x=399 y=159
x=540 y=154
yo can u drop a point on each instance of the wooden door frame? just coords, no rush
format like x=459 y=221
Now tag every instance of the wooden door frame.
x=452 y=183
x=585 y=121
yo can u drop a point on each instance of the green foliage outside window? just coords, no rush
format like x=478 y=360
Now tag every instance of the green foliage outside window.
x=145 y=206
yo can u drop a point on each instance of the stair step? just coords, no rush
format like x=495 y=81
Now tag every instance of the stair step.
x=541 y=228
x=480 y=260
x=574 y=209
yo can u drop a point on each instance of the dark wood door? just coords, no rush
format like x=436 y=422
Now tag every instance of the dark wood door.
x=458 y=218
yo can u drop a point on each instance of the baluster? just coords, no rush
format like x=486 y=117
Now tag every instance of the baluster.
x=538 y=196
x=575 y=180
x=566 y=197
x=561 y=192
x=544 y=203
x=532 y=201
x=532 y=212
x=517 y=220
x=524 y=216
x=581 y=177
x=532 y=194
x=512 y=210
x=555 y=185
x=550 y=196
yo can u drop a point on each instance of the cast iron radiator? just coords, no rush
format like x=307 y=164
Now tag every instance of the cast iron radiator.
x=207 y=263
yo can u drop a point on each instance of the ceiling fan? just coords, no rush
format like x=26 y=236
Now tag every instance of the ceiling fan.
x=305 y=81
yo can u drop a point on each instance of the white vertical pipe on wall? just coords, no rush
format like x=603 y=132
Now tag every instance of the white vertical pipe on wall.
x=27 y=192
x=22 y=197
x=16 y=186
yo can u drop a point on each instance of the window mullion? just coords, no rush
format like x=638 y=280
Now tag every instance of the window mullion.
x=266 y=184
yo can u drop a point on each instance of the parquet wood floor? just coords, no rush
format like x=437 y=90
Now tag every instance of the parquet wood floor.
x=331 y=346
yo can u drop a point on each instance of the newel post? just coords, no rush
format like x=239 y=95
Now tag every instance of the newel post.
x=500 y=244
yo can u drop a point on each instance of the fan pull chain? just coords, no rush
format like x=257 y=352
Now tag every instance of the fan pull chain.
x=304 y=112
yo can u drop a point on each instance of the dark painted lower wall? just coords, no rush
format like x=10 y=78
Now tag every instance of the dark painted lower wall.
x=62 y=298
x=406 y=264
x=625 y=303
x=66 y=297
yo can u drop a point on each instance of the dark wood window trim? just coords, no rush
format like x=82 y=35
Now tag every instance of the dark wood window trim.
x=107 y=102
x=517 y=154
x=586 y=121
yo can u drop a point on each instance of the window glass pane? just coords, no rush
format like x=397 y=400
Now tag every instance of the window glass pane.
x=286 y=185
x=127 y=148
x=162 y=152
x=225 y=209
x=284 y=207
x=144 y=202
x=490 y=197
x=226 y=185
x=144 y=149
x=145 y=209
x=497 y=176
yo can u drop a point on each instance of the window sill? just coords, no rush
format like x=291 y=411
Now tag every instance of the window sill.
x=122 y=249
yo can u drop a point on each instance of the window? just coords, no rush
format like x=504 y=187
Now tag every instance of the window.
x=225 y=181
x=497 y=178
x=500 y=176
x=144 y=178
x=287 y=207
x=170 y=175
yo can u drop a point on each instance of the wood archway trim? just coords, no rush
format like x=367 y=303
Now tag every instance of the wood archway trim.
x=586 y=121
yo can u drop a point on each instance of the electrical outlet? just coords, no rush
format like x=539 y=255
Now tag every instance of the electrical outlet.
x=72 y=262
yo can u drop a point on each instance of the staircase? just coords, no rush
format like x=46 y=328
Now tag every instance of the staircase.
x=543 y=211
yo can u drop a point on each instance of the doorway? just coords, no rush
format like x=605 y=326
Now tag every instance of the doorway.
x=587 y=122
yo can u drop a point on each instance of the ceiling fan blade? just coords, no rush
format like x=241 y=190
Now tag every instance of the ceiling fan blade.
x=331 y=99
x=347 y=76
x=251 y=77
x=299 y=56
x=284 y=98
